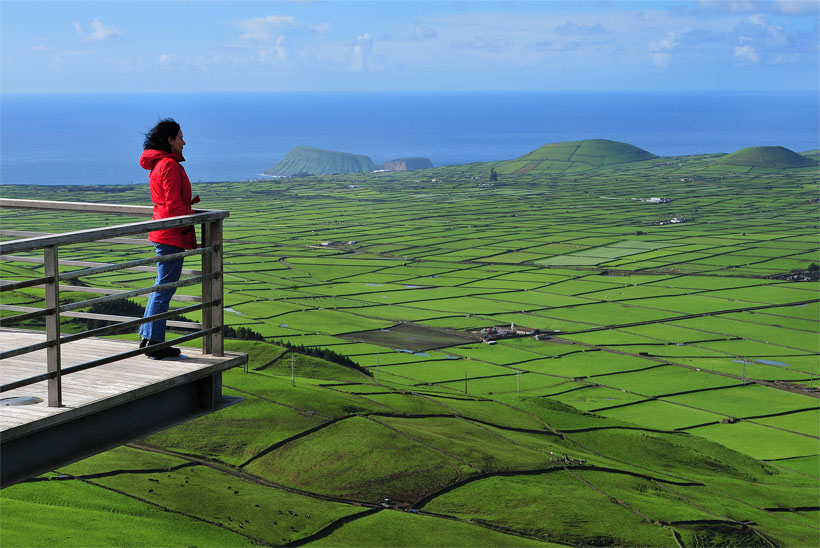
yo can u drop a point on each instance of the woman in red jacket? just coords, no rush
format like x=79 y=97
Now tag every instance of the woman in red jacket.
x=171 y=194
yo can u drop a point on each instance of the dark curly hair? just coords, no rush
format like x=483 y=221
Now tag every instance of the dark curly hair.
x=157 y=138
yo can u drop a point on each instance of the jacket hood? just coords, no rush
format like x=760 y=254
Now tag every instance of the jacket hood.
x=150 y=157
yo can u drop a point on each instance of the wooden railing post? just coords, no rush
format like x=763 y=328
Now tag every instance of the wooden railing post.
x=55 y=393
x=217 y=314
x=212 y=289
x=207 y=283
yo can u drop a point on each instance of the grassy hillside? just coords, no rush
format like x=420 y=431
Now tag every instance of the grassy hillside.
x=812 y=154
x=315 y=161
x=319 y=459
x=574 y=156
x=766 y=157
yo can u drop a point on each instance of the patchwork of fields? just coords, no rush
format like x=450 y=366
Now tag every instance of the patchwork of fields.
x=672 y=396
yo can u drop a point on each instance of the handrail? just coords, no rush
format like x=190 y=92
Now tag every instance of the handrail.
x=77 y=206
x=92 y=234
x=210 y=277
x=74 y=274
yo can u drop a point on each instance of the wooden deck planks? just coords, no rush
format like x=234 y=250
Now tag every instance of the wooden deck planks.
x=115 y=381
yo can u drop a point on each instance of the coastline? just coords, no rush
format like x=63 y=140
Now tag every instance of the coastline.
x=236 y=136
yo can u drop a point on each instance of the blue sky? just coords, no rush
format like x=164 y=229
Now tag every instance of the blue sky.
x=213 y=46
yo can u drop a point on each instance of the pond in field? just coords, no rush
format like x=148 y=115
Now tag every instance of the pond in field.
x=410 y=338
x=767 y=362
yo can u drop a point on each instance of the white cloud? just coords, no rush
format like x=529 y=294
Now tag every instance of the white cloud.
x=771 y=34
x=102 y=32
x=422 y=32
x=783 y=7
x=262 y=28
x=362 y=53
x=660 y=59
x=582 y=45
x=757 y=19
x=746 y=54
x=796 y=7
x=282 y=48
x=660 y=51
x=479 y=43
x=99 y=31
x=783 y=59
x=571 y=28
x=759 y=40
x=168 y=59
x=281 y=38
x=733 y=6
x=63 y=57
x=668 y=43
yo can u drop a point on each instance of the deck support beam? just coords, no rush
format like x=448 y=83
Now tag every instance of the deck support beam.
x=40 y=451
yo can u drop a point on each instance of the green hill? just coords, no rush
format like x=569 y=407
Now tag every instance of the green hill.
x=768 y=157
x=574 y=156
x=315 y=161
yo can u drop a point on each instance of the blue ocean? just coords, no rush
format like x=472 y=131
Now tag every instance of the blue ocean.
x=54 y=139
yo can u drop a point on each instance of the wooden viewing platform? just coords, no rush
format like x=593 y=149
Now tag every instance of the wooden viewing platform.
x=81 y=393
x=104 y=389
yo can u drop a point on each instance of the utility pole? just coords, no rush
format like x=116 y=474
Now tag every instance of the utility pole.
x=292 y=367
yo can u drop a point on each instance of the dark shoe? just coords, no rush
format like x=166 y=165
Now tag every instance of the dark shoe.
x=169 y=352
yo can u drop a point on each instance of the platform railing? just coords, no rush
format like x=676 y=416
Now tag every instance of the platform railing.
x=210 y=278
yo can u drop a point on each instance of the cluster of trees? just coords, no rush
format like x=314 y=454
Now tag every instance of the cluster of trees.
x=811 y=274
x=242 y=333
x=324 y=354
x=123 y=307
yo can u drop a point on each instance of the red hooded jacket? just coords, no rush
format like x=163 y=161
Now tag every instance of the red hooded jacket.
x=171 y=194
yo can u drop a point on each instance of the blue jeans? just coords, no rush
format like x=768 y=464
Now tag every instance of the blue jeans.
x=159 y=301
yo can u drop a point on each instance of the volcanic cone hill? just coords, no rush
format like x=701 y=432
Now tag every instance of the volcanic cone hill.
x=304 y=160
x=574 y=156
x=767 y=157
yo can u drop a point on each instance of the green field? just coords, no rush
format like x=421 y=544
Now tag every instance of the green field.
x=670 y=399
